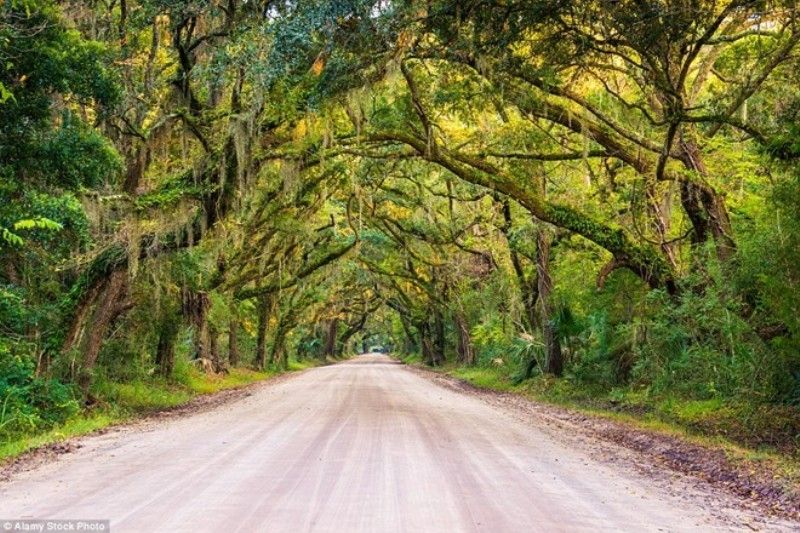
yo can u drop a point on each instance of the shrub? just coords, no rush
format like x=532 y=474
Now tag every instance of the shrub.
x=30 y=403
x=700 y=347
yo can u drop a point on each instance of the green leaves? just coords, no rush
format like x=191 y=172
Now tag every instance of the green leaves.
x=5 y=94
x=28 y=224
x=11 y=238
x=29 y=402
x=40 y=222
x=49 y=70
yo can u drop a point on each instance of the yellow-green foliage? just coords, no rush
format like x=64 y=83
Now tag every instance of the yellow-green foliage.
x=199 y=383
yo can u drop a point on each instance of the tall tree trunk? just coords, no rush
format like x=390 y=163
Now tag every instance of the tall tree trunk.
x=264 y=308
x=426 y=342
x=466 y=352
x=528 y=288
x=660 y=209
x=704 y=206
x=77 y=325
x=213 y=348
x=195 y=308
x=709 y=216
x=233 y=341
x=331 y=337
x=411 y=345
x=554 y=363
x=278 y=353
x=108 y=309
x=438 y=338
x=165 y=350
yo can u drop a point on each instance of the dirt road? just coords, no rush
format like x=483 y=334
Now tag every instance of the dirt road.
x=364 y=445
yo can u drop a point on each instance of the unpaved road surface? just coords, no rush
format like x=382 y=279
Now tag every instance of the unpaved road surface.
x=365 y=445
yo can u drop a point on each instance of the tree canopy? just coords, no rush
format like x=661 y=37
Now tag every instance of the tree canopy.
x=600 y=190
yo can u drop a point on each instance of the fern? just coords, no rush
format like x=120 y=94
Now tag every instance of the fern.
x=37 y=223
x=28 y=224
x=11 y=238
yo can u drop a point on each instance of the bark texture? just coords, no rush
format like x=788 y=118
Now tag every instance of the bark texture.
x=554 y=363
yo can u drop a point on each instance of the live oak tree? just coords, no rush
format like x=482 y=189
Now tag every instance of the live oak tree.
x=601 y=189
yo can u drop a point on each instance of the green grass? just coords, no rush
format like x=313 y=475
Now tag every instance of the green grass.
x=412 y=359
x=199 y=383
x=140 y=396
x=747 y=424
x=295 y=366
x=120 y=402
x=483 y=378
x=729 y=426
x=79 y=425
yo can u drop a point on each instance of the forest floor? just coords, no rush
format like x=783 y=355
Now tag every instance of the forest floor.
x=372 y=445
x=122 y=403
x=768 y=479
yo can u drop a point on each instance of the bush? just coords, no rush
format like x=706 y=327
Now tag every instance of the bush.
x=493 y=341
x=695 y=345
x=29 y=403
x=701 y=348
x=595 y=362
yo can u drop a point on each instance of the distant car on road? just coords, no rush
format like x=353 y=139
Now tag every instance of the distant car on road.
x=377 y=349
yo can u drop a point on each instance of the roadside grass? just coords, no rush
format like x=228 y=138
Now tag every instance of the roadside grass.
x=199 y=383
x=119 y=402
x=410 y=359
x=484 y=378
x=295 y=365
x=78 y=425
x=743 y=435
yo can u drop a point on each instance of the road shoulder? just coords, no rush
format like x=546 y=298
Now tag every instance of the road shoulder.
x=753 y=484
x=52 y=451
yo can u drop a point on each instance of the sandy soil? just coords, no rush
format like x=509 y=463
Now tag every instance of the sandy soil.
x=366 y=445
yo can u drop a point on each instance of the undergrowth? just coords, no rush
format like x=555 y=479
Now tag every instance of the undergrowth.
x=116 y=402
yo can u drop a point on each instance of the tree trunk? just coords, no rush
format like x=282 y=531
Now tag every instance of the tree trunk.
x=410 y=343
x=554 y=363
x=264 y=307
x=283 y=354
x=213 y=348
x=108 y=309
x=83 y=307
x=165 y=351
x=707 y=211
x=466 y=352
x=278 y=353
x=426 y=343
x=438 y=338
x=348 y=334
x=528 y=288
x=233 y=342
x=320 y=334
x=195 y=308
x=705 y=207
x=330 y=338
x=660 y=209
